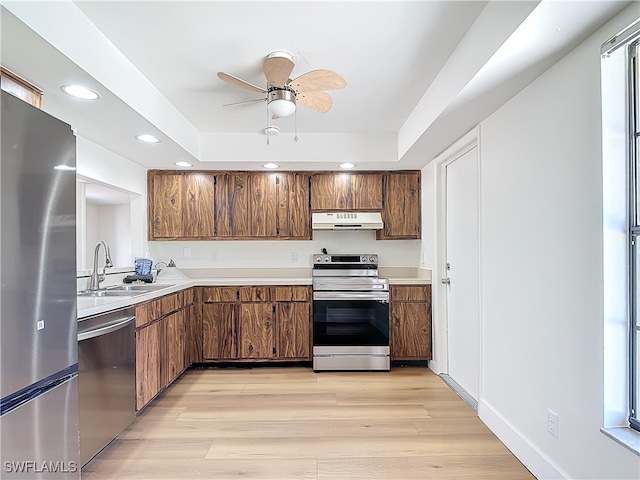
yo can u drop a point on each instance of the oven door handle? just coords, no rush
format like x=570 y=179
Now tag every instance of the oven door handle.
x=378 y=296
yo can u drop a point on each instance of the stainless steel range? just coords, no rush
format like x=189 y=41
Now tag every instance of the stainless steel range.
x=350 y=313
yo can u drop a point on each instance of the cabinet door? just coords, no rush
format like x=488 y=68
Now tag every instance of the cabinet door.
x=165 y=205
x=219 y=331
x=198 y=205
x=263 y=205
x=401 y=211
x=147 y=364
x=256 y=334
x=293 y=206
x=366 y=191
x=220 y=294
x=232 y=205
x=255 y=294
x=331 y=191
x=411 y=293
x=294 y=330
x=175 y=345
x=410 y=331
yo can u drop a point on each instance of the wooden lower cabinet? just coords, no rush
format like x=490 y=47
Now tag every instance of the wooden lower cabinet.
x=219 y=331
x=256 y=337
x=294 y=330
x=254 y=327
x=147 y=364
x=162 y=348
x=410 y=322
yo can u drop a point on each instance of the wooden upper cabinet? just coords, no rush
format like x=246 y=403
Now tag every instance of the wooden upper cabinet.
x=165 y=205
x=293 y=206
x=198 y=205
x=19 y=87
x=232 y=205
x=180 y=205
x=346 y=191
x=401 y=210
x=263 y=205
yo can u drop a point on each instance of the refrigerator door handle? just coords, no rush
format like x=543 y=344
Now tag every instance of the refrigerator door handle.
x=105 y=330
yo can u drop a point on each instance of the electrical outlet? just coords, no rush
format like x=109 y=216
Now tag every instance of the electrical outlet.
x=552 y=423
x=294 y=257
x=186 y=252
x=214 y=257
x=40 y=325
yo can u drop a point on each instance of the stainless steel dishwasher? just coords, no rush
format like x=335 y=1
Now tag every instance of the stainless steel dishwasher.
x=106 y=373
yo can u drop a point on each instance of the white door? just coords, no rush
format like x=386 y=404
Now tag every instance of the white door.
x=462 y=253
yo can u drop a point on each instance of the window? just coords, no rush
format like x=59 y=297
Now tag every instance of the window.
x=621 y=227
x=634 y=232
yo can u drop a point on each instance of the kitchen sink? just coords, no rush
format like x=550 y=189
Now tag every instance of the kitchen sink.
x=123 y=290
x=107 y=293
x=138 y=287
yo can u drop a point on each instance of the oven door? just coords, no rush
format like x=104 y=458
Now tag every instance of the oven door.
x=350 y=322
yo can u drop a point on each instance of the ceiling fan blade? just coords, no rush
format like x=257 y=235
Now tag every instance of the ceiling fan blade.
x=317 y=80
x=318 y=101
x=277 y=70
x=246 y=101
x=239 y=83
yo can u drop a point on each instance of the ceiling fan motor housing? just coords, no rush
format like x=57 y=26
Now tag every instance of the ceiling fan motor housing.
x=281 y=101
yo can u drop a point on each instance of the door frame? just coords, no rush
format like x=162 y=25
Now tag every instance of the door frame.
x=439 y=295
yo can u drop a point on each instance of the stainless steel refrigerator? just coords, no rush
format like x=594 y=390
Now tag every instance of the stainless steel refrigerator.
x=38 y=325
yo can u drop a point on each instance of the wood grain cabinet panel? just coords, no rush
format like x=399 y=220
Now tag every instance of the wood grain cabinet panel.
x=220 y=294
x=293 y=206
x=165 y=205
x=219 y=337
x=366 y=191
x=346 y=191
x=232 y=205
x=198 y=216
x=292 y=294
x=19 y=87
x=147 y=364
x=294 y=330
x=255 y=294
x=401 y=209
x=256 y=331
x=410 y=322
x=174 y=336
x=263 y=205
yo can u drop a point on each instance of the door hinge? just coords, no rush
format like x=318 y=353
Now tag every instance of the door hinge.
x=277 y=179
x=215 y=179
x=277 y=230
x=274 y=350
x=274 y=309
x=237 y=294
x=215 y=230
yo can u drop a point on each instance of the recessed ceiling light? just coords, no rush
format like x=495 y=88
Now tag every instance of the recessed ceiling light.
x=347 y=165
x=270 y=165
x=80 y=92
x=184 y=164
x=145 y=137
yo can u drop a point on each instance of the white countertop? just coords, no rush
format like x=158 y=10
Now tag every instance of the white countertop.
x=88 y=306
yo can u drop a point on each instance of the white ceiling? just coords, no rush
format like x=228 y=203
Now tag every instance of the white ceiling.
x=419 y=74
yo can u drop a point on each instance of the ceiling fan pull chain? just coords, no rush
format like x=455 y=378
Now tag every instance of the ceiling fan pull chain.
x=266 y=131
x=295 y=125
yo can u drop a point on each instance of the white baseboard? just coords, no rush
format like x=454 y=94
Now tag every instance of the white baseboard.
x=528 y=454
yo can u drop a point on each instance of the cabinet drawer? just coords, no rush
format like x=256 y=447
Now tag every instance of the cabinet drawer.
x=147 y=313
x=220 y=294
x=255 y=294
x=187 y=297
x=170 y=303
x=291 y=294
x=411 y=293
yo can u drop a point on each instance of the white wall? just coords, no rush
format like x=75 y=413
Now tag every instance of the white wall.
x=97 y=163
x=542 y=274
x=278 y=253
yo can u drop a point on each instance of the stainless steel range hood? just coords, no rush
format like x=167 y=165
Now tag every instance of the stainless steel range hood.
x=346 y=221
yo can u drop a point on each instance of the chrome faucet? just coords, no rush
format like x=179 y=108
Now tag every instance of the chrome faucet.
x=95 y=277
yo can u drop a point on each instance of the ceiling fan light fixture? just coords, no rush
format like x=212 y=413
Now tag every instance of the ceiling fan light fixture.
x=281 y=102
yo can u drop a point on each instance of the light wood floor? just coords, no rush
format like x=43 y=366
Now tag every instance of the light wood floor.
x=280 y=424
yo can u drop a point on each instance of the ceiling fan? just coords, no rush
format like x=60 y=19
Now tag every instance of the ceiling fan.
x=283 y=94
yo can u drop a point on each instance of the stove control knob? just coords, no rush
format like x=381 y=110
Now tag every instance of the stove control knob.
x=327 y=258
x=373 y=259
x=317 y=259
